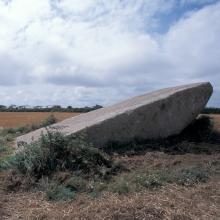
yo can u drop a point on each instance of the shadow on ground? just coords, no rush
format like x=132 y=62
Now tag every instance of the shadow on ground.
x=198 y=138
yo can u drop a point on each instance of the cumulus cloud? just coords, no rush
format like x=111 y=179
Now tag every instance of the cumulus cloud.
x=74 y=52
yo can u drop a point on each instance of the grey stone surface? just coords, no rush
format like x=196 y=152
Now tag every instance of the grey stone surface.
x=153 y=115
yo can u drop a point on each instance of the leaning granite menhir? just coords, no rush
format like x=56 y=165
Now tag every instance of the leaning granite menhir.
x=153 y=115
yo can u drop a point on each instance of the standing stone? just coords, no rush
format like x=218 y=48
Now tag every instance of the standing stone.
x=153 y=115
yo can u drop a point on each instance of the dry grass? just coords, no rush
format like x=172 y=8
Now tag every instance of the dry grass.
x=170 y=202
x=17 y=119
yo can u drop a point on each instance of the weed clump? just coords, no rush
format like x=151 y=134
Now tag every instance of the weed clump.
x=70 y=164
x=59 y=193
x=3 y=149
x=186 y=177
x=121 y=186
x=54 y=152
x=135 y=182
x=152 y=181
x=77 y=184
x=192 y=176
x=6 y=162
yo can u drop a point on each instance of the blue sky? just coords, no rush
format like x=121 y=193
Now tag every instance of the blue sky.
x=75 y=52
x=178 y=10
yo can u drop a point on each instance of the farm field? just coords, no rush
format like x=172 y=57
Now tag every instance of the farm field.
x=18 y=119
x=200 y=199
x=216 y=121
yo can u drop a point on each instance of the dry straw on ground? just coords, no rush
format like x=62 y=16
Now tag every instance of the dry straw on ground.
x=171 y=202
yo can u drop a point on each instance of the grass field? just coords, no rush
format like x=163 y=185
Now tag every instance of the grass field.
x=157 y=197
x=18 y=119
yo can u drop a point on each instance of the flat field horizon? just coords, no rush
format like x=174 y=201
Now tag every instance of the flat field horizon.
x=18 y=119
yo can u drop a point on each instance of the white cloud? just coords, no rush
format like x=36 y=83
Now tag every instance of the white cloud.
x=195 y=40
x=77 y=6
x=80 y=52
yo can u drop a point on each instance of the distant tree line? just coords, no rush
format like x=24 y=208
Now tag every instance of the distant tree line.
x=54 y=108
x=211 y=110
x=58 y=108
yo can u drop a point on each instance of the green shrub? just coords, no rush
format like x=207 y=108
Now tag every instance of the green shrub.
x=58 y=192
x=18 y=130
x=5 y=138
x=6 y=162
x=33 y=161
x=10 y=130
x=3 y=166
x=21 y=130
x=95 y=187
x=76 y=183
x=3 y=148
x=3 y=141
x=54 y=152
